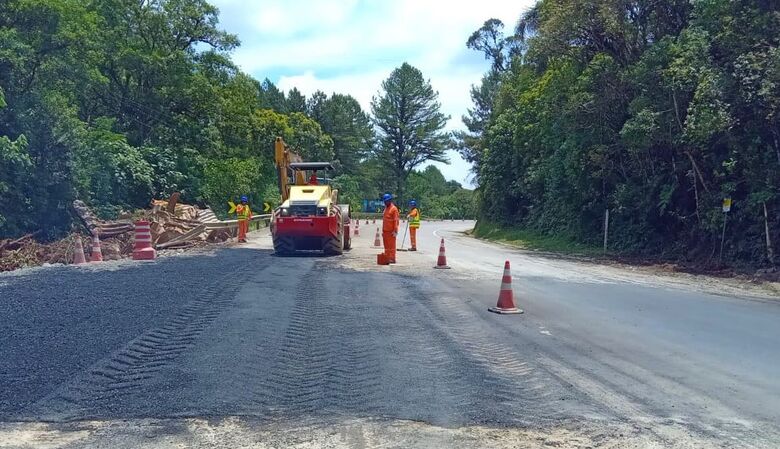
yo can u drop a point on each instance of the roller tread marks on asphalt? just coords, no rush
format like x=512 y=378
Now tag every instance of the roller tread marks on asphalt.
x=325 y=362
x=132 y=368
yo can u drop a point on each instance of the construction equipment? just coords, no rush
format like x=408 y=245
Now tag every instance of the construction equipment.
x=309 y=217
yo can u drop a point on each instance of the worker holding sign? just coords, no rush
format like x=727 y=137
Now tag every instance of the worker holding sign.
x=414 y=223
x=244 y=214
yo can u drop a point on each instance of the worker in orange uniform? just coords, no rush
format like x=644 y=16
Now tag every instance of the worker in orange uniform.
x=414 y=223
x=244 y=214
x=313 y=178
x=390 y=222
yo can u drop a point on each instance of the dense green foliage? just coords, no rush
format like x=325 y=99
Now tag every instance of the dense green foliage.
x=117 y=102
x=655 y=110
x=439 y=198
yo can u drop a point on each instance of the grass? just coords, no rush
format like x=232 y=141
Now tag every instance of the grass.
x=533 y=240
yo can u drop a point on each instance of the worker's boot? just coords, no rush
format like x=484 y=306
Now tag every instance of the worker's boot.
x=412 y=249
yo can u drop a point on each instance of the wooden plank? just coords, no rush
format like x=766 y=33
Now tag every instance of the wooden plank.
x=184 y=237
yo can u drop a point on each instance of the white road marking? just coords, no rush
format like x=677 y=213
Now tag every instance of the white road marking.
x=545 y=333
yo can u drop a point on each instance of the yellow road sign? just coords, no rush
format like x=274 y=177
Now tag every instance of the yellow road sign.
x=232 y=207
x=726 y=204
x=266 y=207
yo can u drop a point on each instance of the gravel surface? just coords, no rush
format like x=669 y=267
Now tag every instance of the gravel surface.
x=59 y=321
x=239 y=348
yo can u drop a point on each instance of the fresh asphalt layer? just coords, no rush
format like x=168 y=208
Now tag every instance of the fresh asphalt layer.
x=615 y=357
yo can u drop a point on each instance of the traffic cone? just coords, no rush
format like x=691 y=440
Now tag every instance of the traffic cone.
x=78 y=252
x=374 y=221
x=377 y=242
x=142 y=246
x=442 y=262
x=357 y=228
x=506 y=299
x=97 y=254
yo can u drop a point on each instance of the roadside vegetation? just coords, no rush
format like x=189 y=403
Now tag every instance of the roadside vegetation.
x=533 y=240
x=117 y=102
x=653 y=111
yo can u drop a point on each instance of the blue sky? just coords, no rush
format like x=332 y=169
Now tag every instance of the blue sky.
x=351 y=46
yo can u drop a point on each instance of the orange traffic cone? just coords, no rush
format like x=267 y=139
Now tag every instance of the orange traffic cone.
x=97 y=254
x=377 y=242
x=357 y=228
x=78 y=252
x=506 y=299
x=374 y=222
x=442 y=262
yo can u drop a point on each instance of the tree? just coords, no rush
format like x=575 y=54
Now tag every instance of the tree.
x=315 y=106
x=655 y=111
x=344 y=121
x=489 y=39
x=410 y=124
x=296 y=101
x=471 y=143
x=116 y=102
x=271 y=97
x=15 y=174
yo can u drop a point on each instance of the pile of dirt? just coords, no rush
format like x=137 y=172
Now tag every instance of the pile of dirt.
x=27 y=252
x=169 y=220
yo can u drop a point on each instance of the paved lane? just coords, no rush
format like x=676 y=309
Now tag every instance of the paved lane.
x=661 y=344
x=239 y=348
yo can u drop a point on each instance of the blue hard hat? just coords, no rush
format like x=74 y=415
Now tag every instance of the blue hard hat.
x=244 y=198
x=412 y=203
x=387 y=197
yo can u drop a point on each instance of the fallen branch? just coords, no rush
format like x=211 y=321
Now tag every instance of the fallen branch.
x=9 y=244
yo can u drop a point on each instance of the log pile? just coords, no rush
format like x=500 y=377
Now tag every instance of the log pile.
x=173 y=225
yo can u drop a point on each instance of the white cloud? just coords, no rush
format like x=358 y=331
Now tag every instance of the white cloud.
x=350 y=46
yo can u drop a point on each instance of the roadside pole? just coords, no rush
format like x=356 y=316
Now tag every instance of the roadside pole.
x=726 y=210
x=769 y=252
x=606 y=228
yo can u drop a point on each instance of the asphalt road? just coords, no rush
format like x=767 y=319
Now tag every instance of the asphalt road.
x=239 y=348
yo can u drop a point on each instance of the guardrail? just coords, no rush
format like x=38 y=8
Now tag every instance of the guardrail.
x=205 y=227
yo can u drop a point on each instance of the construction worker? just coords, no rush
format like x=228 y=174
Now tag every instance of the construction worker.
x=244 y=214
x=414 y=223
x=313 y=178
x=390 y=222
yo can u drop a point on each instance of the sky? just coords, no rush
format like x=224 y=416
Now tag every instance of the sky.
x=351 y=46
